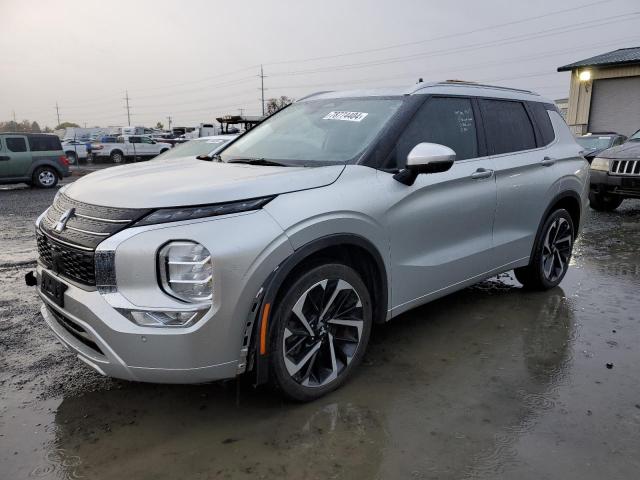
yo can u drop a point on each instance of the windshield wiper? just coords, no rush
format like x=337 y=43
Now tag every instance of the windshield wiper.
x=257 y=161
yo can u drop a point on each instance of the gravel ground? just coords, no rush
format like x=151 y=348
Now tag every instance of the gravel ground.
x=491 y=382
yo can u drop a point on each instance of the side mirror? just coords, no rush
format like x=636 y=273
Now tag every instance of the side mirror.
x=426 y=158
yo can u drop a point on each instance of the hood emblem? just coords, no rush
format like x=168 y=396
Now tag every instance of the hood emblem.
x=64 y=218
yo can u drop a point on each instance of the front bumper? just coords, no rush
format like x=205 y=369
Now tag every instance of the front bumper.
x=604 y=183
x=245 y=249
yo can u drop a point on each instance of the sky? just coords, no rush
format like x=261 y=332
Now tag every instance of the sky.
x=196 y=60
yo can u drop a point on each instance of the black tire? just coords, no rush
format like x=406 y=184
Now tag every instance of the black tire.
x=553 y=247
x=45 y=177
x=328 y=293
x=117 y=157
x=163 y=150
x=72 y=157
x=604 y=203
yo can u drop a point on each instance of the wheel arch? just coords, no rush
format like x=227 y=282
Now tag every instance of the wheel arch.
x=38 y=163
x=352 y=250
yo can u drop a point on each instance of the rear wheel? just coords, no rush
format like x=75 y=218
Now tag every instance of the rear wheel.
x=320 y=332
x=72 y=157
x=117 y=157
x=552 y=252
x=45 y=177
x=604 y=203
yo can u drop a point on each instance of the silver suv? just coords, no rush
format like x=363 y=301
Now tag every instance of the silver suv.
x=277 y=255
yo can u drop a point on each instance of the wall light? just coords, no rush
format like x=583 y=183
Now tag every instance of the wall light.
x=585 y=75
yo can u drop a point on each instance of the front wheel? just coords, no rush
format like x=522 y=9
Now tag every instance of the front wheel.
x=72 y=157
x=604 y=203
x=320 y=332
x=552 y=252
x=117 y=157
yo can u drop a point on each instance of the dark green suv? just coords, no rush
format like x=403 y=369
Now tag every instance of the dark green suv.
x=33 y=158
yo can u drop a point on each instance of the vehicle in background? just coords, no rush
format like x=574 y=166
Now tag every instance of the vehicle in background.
x=129 y=147
x=238 y=123
x=615 y=175
x=342 y=210
x=198 y=148
x=596 y=142
x=75 y=150
x=33 y=158
x=83 y=134
x=202 y=130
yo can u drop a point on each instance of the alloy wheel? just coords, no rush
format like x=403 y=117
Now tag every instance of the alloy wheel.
x=322 y=332
x=556 y=250
x=46 y=178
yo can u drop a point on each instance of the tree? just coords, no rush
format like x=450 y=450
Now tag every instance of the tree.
x=64 y=125
x=160 y=126
x=35 y=128
x=275 y=104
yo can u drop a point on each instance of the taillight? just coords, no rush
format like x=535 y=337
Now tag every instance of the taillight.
x=64 y=160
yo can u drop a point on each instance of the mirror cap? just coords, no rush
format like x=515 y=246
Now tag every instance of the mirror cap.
x=430 y=154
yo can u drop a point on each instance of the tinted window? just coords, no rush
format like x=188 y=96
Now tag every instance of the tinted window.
x=44 y=143
x=543 y=122
x=507 y=126
x=447 y=121
x=134 y=140
x=16 y=144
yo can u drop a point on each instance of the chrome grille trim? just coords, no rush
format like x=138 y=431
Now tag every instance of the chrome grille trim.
x=103 y=220
x=625 y=167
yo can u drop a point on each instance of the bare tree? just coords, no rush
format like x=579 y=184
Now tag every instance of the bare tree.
x=275 y=104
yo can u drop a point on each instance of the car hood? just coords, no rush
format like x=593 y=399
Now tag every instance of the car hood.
x=624 y=151
x=183 y=182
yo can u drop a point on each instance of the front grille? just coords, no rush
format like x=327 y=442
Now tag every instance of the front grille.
x=75 y=330
x=89 y=224
x=625 y=167
x=71 y=263
x=69 y=252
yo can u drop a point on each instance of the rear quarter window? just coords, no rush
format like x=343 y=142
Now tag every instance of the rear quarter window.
x=507 y=126
x=16 y=144
x=44 y=143
x=543 y=122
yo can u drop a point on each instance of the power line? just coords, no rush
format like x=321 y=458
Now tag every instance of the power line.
x=443 y=37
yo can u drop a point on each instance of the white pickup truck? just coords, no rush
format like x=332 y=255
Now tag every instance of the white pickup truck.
x=129 y=147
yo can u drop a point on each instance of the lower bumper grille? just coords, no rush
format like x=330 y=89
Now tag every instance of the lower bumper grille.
x=75 y=330
x=72 y=263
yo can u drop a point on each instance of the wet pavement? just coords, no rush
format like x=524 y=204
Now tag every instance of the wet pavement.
x=491 y=382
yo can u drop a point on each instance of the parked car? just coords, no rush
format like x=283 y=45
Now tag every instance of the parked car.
x=33 y=158
x=278 y=254
x=615 y=175
x=75 y=150
x=130 y=147
x=200 y=147
x=594 y=143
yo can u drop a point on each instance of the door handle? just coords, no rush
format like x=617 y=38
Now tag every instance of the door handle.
x=547 y=161
x=3 y=158
x=482 y=173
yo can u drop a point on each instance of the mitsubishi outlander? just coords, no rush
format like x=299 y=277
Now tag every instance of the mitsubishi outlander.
x=276 y=255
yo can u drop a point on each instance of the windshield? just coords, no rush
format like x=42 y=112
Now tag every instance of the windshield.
x=331 y=131
x=193 y=148
x=594 y=143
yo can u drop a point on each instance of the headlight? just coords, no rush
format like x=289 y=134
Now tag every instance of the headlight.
x=186 y=271
x=165 y=215
x=600 y=164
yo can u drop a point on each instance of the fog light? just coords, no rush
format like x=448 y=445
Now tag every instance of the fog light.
x=186 y=271
x=149 y=318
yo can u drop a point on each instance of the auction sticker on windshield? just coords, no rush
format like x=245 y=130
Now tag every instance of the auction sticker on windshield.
x=347 y=116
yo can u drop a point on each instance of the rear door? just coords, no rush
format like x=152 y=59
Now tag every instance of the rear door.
x=16 y=158
x=525 y=173
x=440 y=227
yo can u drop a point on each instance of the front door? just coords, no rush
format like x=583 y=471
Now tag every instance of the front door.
x=441 y=227
x=15 y=158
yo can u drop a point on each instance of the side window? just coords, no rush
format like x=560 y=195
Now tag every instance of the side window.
x=145 y=140
x=16 y=144
x=507 y=126
x=44 y=143
x=543 y=122
x=134 y=139
x=445 y=120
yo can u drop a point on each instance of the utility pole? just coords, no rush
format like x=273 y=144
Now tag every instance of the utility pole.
x=169 y=120
x=126 y=98
x=58 y=112
x=241 y=111
x=262 y=87
x=14 y=116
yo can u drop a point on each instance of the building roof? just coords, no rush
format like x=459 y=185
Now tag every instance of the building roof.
x=622 y=56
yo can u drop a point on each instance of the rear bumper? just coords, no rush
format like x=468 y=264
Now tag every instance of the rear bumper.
x=603 y=183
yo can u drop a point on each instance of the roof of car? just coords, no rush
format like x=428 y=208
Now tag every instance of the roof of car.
x=29 y=134
x=622 y=56
x=454 y=86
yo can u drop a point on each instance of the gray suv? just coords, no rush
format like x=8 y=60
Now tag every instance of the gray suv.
x=277 y=255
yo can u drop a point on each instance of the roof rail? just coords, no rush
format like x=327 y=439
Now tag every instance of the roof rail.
x=464 y=83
